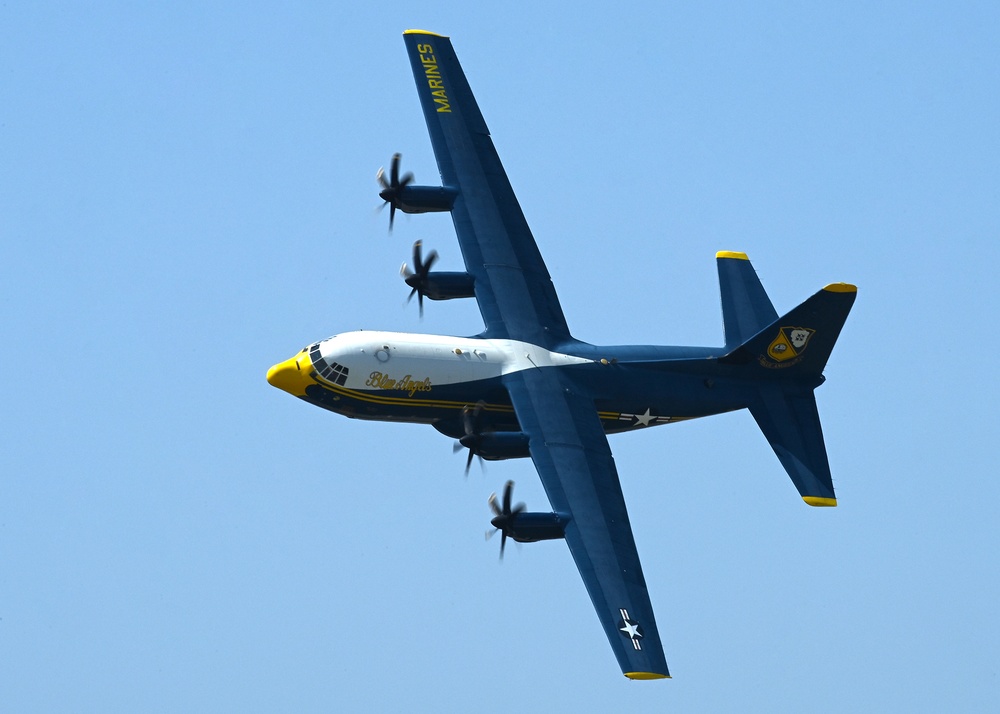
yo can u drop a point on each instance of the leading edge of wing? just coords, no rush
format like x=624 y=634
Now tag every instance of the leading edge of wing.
x=512 y=284
x=571 y=453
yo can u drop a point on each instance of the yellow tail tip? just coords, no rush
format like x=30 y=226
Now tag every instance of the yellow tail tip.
x=820 y=502
x=423 y=32
x=841 y=288
x=731 y=254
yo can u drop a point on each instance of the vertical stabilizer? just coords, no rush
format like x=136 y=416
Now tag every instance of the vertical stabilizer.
x=746 y=308
x=800 y=342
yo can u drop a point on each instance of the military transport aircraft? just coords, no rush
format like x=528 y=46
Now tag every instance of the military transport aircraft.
x=525 y=387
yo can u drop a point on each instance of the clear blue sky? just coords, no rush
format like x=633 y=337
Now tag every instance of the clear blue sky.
x=188 y=195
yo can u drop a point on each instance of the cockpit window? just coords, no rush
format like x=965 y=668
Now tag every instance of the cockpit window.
x=336 y=373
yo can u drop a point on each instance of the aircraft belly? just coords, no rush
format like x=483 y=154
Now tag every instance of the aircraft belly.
x=638 y=397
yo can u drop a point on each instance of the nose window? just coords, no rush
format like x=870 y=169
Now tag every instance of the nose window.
x=336 y=373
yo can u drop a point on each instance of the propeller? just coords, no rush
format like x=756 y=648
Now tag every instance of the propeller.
x=504 y=517
x=417 y=278
x=391 y=188
x=473 y=437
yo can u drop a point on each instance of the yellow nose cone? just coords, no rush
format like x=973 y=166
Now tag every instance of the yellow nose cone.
x=292 y=375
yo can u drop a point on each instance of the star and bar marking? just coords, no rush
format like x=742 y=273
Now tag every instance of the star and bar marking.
x=630 y=629
x=647 y=418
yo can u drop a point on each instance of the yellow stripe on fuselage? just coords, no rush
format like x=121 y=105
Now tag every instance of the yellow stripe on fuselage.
x=374 y=398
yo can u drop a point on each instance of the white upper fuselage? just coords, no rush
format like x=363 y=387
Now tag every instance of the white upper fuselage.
x=376 y=360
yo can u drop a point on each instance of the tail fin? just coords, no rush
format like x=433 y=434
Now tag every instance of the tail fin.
x=789 y=356
x=746 y=309
x=800 y=342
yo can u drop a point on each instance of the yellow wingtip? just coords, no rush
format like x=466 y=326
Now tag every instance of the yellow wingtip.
x=731 y=254
x=647 y=675
x=820 y=502
x=841 y=288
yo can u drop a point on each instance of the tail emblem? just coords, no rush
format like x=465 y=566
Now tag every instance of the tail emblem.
x=789 y=345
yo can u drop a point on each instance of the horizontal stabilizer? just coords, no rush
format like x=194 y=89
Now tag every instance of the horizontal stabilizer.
x=790 y=423
x=746 y=308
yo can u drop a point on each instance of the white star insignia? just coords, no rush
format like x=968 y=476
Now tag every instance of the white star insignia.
x=631 y=629
x=644 y=419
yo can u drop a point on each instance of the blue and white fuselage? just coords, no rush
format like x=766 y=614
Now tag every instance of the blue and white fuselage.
x=394 y=376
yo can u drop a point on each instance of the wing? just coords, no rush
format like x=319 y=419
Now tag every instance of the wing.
x=517 y=301
x=571 y=453
x=512 y=285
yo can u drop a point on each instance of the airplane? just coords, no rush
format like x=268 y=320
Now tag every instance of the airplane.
x=526 y=388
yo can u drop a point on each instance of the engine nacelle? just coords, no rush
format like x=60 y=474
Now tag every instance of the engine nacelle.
x=532 y=527
x=499 y=445
x=425 y=199
x=448 y=285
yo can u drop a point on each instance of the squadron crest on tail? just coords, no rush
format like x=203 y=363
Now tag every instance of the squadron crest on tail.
x=789 y=345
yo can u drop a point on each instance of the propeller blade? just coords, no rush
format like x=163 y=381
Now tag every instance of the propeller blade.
x=418 y=277
x=503 y=517
x=391 y=188
x=476 y=412
x=417 y=262
x=395 y=169
x=472 y=437
x=467 y=421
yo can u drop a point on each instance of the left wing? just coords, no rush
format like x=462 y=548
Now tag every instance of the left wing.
x=512 y=285
x=571 y=453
